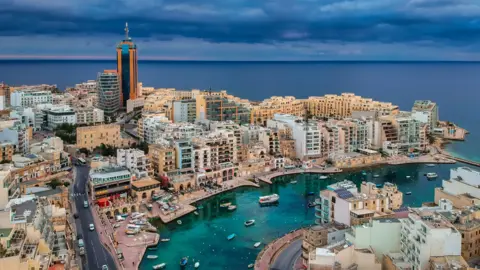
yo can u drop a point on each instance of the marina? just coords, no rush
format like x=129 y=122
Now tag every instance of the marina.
x=213 y=224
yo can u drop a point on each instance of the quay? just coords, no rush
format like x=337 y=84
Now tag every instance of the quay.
x=466 y=161
x=267 y=178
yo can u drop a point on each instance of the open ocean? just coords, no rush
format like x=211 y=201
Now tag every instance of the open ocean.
x=455 y=86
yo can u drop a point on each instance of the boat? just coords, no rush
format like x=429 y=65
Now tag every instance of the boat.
x=225 y=205
x=153 y=248
x=408 y=193
x=323 y=177
x=184 y=261
x=232 y=207
x=364 y=173
x=293 y=182
x=408 y=176
x=430 y=165
x=200 y=207
x=376 y=175
x=249 y=223
x=197 y=264
x=165 y=240
x=179 y=222
x=432 y=175
x=195 y=213
x=257 y=244
x=251 y=265
x=311 y=204
x=269 y=199
x=159 y=266
x=231 y=236
x=152 y=257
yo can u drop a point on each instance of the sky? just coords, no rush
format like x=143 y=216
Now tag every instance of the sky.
x=243 y=30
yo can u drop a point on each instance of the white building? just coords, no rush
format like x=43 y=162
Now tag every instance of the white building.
x=425 y=234
x=463 y=180
x=306 y=136
x=184 y=111
x=203 y=157
x=135 y=160
x=89 y=116
x=17 y=133
x=431 y=112
x=60 y=114
x=27 y=98
x=29 y=116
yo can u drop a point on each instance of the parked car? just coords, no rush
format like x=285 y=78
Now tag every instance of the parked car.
x=91 y=227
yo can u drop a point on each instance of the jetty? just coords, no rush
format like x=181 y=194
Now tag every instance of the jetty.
x=466 y=161
x=269 y=177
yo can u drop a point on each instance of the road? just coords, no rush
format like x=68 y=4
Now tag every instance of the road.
x=96 y=254
x=286 y=260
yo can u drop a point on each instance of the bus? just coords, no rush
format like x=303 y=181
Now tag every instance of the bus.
x=81 y=161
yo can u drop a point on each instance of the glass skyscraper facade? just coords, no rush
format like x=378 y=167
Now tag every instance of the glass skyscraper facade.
x=127 y=68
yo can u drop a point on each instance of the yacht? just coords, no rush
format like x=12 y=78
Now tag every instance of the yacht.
x=159 y=266
x=257 y=244
x=225 y=205
x=197 y=264
x=432 y=175
x=249 y=223
x=232 y=207
x=268 y=199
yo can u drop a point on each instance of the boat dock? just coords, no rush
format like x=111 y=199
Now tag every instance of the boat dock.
x=466 y=161
x=269 y=177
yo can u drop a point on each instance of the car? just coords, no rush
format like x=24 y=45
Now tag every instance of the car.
x=75 y=216
x=91 y=227
x=104 y=267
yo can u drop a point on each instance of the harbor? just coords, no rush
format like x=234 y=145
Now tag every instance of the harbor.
x=213 y=224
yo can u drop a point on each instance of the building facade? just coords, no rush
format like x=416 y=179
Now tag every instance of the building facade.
x=27 y=98
x=94 y=136
x=109 y=91
x=127 y=68
x=89 y=116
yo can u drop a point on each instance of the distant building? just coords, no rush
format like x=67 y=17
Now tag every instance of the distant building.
x=431 y=110
x=24 y=98
x=108 y=88
x=89 y=116
x=60 y=114
x=127 y=68
x=185 y=111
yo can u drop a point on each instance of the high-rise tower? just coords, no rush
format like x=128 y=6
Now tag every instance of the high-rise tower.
x=127 y=68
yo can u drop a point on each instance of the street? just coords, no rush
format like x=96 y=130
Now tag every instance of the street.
x=96 y=254
x=286 y=260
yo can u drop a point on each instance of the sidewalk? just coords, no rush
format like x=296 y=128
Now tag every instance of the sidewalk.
x=267 y=255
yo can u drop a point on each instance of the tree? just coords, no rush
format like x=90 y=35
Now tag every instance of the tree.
x=66 y=184
x=54 y=183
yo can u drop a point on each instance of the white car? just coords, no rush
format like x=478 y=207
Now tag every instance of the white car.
x=92 y=227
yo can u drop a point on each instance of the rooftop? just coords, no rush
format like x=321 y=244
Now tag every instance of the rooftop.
x=23 y=212
x=144 y=182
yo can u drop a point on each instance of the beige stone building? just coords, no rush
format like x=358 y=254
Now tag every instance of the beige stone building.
x=94 y=136
x=143 y=189
x=162 y=157
x=6 y=151
x=269 y=107
x=389 y=190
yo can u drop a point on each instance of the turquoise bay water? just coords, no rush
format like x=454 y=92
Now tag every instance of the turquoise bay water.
x=204 y=237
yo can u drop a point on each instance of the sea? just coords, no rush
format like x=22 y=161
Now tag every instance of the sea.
x=454 y=86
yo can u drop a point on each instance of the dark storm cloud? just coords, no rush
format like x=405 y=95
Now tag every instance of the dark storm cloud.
x=249 y=21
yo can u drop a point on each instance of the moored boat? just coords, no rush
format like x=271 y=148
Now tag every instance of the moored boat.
x=376 y=175
x=408 y=176
x=153 y=248
x=225 y=205
x=269 y=199
x=251 y=265
x=232 y=207
x=231 y=236
x=249 y=222
x=293 y=182
x=432 y=175
x=364 y=173
x=408 y=193
x=184 y=261
x=165 y=240
x=195 y=213
x=378 y=185
x=151 y=257
x=257 y=244
x=179 y=222
x=430 y=165
x=197 y=264
x=323 y=177
x=159 y=266
x=311 y=193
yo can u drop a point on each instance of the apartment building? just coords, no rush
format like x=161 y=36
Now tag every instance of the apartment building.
x=136 y=161
x=109 y=183
x=266 y=110
x=31 y=117
x=342 y=106
x=271 y=141
x=342 y=255
x=18 y=134
x=462 y=189
x=320 y=236
x=184 y=111
x=58 y=115
x=222 y=145
x=426 y=234
x=184 y=155
x=408 y=131
x=149 y=126
x=108 y=90
x=342 y=203
x=162 y=157
x=30 y=98
x=305 y=134
x=89 y=116
x=429 y=110
x=388 y=189
x=93 y=136
x=219 y=108
x=6 y=150
x=203 y=156
x=227 y=127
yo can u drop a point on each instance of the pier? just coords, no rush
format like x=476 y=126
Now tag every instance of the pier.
x=466 y=161
x=268 y=177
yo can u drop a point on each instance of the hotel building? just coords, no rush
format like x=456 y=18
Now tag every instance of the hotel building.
x=109 y=91
x=430 y=109
x=162 y=157
x=94 y=136
x=58 y=115
x=29 y=98
x=127 y=68
x=276 y=105
x=218 y=108
x=109 y=183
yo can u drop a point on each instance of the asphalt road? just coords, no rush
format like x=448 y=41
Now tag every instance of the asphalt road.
x=286 y=260
x=96 y=254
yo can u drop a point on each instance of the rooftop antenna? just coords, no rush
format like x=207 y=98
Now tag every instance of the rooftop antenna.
x=126 y=31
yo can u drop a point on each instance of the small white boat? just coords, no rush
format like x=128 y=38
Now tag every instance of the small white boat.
x=225 y=205
x=408 y=193
x=432 y=175
x=152 y=257
x=293 y=182
x=195 y=213
x=376 y=175
x=232 y=207
x=257 y=244
x=251 y=265
x=249 y=222
x=430 y=165
x=197 y=264
x=159 y=266
x=408 y=176
x=323 y=177
x=165 y=240
x=179 y=222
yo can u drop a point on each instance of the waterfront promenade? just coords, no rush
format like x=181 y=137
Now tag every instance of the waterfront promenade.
x=270 y=251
